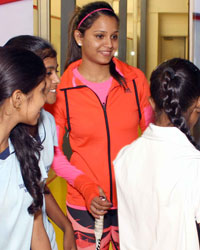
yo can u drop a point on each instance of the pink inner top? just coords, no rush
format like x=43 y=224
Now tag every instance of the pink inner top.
x=101 y=88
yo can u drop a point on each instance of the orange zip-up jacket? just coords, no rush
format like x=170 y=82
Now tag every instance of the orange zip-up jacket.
x=97 y=132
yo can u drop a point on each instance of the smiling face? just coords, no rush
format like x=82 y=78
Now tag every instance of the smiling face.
x=100 y=41
x=32 y=104
x=52 y=79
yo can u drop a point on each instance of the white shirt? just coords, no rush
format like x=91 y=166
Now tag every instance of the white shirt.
x=16 y=223
x=48 y=137
x=158 y=189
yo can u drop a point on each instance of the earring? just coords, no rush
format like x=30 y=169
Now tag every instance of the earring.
x=79 y=44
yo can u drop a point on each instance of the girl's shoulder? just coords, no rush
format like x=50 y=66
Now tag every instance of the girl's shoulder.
x=67 y=76
x=46 y=125
x=46 y=116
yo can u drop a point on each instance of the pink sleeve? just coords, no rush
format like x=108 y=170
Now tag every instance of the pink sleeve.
x=74 y=177
x=63 y=167
x=146 y=109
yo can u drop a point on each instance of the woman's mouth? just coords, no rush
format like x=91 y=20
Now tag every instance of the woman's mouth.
x=52 y=90
x=106 y=53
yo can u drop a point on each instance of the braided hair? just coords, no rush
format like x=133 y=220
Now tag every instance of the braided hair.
x=23 y=70
x=175 y=85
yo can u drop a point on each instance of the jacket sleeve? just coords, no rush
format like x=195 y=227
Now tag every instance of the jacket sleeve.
x=74 y=177
x=144 y=94
x=61 y=165
x=58 y=110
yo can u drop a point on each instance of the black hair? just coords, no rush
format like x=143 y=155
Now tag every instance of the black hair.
x=37 y=45
x=40 y=47
x=23 y=70
x=74 y=50
x=175 y=85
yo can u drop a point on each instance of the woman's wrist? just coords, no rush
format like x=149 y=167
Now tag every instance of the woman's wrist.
x=65 y=225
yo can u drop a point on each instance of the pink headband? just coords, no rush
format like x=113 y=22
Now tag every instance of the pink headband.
x=91 y=14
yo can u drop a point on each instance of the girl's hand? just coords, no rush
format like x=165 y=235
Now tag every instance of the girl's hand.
x=58 y=217
x=69 y=239
x=98 y=206
x=39 y=239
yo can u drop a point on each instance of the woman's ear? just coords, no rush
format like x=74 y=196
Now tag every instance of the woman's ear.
x=17 y=99
x=78 y=37
x=152 y=103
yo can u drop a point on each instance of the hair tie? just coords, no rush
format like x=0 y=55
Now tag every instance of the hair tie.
x=91 y=14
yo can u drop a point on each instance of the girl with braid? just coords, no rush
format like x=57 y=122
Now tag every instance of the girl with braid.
x=158 y=175
x=45 y=132
x=22 y=96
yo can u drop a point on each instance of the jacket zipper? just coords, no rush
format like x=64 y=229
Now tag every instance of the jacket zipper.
x=103 y=105
x=108 y=137
x=109 y=150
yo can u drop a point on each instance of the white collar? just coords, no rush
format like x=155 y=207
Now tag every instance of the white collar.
x=171 y=134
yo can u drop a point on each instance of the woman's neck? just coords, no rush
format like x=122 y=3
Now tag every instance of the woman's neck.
x=4 y=135
x=162 y=120
x=6 y=125
x=94 y=72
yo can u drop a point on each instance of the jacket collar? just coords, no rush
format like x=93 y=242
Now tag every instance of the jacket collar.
x=124 y=69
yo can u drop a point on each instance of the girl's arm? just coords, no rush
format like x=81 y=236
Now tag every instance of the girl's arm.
x=39 y=239
x=62 y=167
x=144 y=94
x=87 y=187
x=57 y=216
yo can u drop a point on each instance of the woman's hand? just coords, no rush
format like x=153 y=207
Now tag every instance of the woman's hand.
x=60 y=219
x=100 y=206
x=39 y=239
x=68 y=238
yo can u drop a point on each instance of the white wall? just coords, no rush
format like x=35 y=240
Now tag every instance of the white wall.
x=196 y=34
x=197 y=6
x=16 y=18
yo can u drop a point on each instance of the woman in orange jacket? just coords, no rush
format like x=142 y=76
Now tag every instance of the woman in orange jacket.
x=102 y=102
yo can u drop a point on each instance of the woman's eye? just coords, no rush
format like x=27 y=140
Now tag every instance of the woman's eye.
x=49 y=73
x=99 y=36
x=114 y=37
